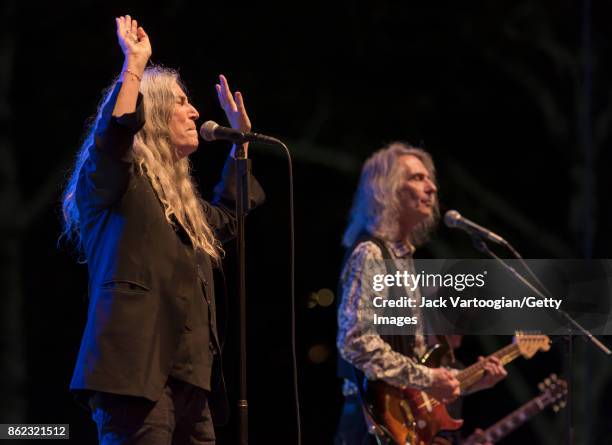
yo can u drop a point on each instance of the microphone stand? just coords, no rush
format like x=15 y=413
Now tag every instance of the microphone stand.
x=243 y=172
x=481 y=246
x=243 y=169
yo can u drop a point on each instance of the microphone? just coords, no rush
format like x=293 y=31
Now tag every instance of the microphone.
x=453 y=219
x=212 y=131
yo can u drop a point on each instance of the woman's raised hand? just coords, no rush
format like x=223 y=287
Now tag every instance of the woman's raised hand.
x=134 y=43
x=233 y=105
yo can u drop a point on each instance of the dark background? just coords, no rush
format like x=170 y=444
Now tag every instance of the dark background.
x=512 y=98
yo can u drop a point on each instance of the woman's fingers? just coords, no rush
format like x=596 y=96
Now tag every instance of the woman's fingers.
x=242 y=110
x=233 y=105
x=224 y=83
x=141 y=33
x=123 y=27
x=133 y=36
x=127 y=26
x=120 y=26
x=220 y=96
x=133 y=39
x=129 y=31
x=227 y=94
x=239 y=101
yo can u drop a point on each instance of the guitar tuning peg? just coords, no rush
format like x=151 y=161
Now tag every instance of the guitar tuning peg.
x=547 y=381
x=562 y=403
x=556 y=408
x=553 y=377
x=541 y=386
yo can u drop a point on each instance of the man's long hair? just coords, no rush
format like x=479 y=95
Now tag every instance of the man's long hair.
x=376 y=207
x=155 y=157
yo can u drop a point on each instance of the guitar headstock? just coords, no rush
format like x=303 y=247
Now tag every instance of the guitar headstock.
x=529 y=344
x=554 y=390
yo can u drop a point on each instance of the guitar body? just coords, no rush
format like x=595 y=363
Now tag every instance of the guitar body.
x=409 y=416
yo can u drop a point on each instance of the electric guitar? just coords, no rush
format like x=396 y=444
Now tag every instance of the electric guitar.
x=412 y=417
x=553 y=390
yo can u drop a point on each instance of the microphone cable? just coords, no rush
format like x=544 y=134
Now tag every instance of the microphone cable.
x=292 y=290
x=291 y=268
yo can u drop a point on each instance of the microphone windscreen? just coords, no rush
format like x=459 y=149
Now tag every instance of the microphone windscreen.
x=451 y=218
x=207 y=130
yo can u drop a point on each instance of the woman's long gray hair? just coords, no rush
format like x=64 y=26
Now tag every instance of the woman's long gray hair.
x=155 y=157
x=376 y=207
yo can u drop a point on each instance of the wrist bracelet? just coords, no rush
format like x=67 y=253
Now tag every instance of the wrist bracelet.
x=133 y=74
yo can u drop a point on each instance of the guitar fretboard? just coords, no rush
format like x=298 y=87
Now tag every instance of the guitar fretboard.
x=472 y=374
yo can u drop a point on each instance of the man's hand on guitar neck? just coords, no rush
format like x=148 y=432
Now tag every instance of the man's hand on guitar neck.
x=445 y=386
x=494 y=372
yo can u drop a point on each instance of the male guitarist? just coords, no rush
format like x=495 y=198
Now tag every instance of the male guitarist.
x=394 y=210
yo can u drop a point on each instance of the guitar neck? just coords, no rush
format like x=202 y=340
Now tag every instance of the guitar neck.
x=516 y=418
x=472 y=374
